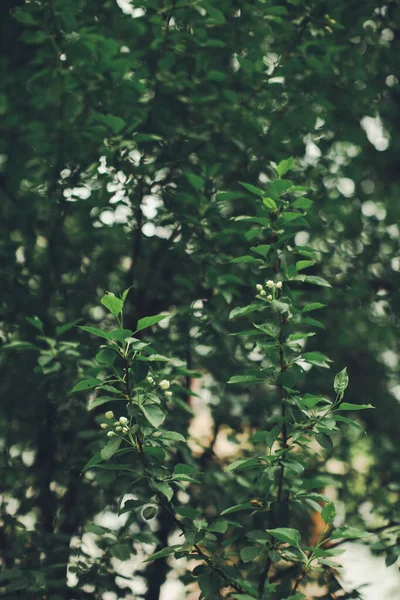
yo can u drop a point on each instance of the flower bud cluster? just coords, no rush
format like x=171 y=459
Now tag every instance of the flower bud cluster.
x=271 y=285
x=119 y=427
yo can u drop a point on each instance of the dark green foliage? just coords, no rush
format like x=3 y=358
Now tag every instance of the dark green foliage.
x=151 y=153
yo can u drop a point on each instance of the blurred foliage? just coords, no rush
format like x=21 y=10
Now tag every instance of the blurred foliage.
x=124 y=136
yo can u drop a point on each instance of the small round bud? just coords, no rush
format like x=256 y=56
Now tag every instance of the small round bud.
x=109 y=414
x=263 y=293
x=259 y=287
x=168 y=394
x=123 y=420
x=104 y=425
x=164 y=384
x=125 y=429
x=279 y=285
x=269 y=297
x=111 y=433
x=270 y=284
x=118 y=428
x=149 y=379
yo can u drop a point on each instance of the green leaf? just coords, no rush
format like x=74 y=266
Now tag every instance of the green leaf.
x=341 y=382
x=95 y=460
x=35 y=322
x=120 y=335
x=246 y=259
x=279 y=187
x=252 y=189
x=86 y=384
x=238 y=508
x=173 y=436
x=347 y=532
x=163 y=552
x=269 y=203
x=24 y=17
x=219 y=526
x=304 y=264
x=243 y=597
x=328 y=513
x=313 y=323
x=241 y=311
x=110 y=449
x=154 y=414
x=149 y=321
x=112 y=303
x=60 y=329
x=102 y=400
x=116 y=124
x=262 y=250
x=284 y=166
x=325 y=441
x=349 y=406
x=249 y=553
x=239 y=465
x=195 y=181
x=106 y=357
x=350 y=422
x=95 y=331
x=245 y=379
x=164 y=489
x=149 y=512
x=317 y=281
x=316 y=358
x=286 y=535
x=302 y=203
x=121 y=551
x=313 y=306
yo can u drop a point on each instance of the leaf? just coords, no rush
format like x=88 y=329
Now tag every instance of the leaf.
x=245 y=379
x=116 y=124
x=102 y=400
x=317 y=358
x=246 y=259
x=149 y=512
x=328 y=513
x=325 y=441
x=350 y=422
x=241 y=311
x=242 y=464
x=304 y=264
x=154 y=414
x=349 y=406
x=243 y=597
x=252 y=189
x=286 y=535
x=195 y=181
x=112 y=303
x=121 y=551
x=95 y=460
x=219 y=526
x=302 y=203
x=35 y=322
x=249 y=553
x=279 y=187
x=238 y=507
x=269 y=203
x=120 y=335
x=317 y=281
x=285 y=165
x=110 y=449
x=165 y=489
x=262 y=250
x=163 y=552
x=149 y=321
x=106 y=357
x=86 y=384
x=347 y=532
x=313 y=306
x=60 y=329
x=341 y=382
x=95 y=331
x=313 y=323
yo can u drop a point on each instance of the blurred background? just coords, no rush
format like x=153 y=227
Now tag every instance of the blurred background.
x=126 y=128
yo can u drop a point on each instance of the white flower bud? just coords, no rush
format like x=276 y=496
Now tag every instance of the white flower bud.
x=279 y=285
x=123 y=420
x=118 y=428
x=269 y=297
x=270 y=284
x=109 y=414
x=263 y=293
x=111 y=433
x=259 y=287
x=168 y=394
x=125 y=429
x=104 y=425
x=164 y=384
x=149 y=379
